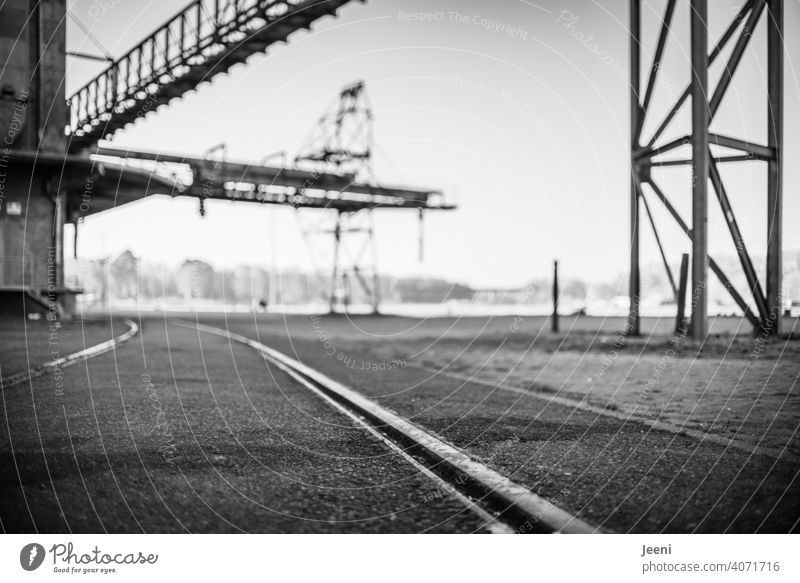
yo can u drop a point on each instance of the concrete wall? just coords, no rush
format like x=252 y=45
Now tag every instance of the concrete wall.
x=33 y=114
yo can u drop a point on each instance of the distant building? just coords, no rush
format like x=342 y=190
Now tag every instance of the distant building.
x=431 y=291
x=124 y=276
x=196 y=279
x=500 y=296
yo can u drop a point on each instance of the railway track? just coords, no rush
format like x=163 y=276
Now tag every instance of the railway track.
x=503 y=505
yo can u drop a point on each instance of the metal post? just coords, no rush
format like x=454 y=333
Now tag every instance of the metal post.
x=183 y=36
x=139 y=67
x=680 y=317
x=346 y=292
x=634 y=288
x=58 y=238
x=554 y=320
x=337 y=238
x=700 y=166
x=421 y=240
x=376 y=281
x=166 y=47
x=199 y=18
x=775 y=165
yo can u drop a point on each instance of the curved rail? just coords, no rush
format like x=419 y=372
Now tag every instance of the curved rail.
x=72 y=359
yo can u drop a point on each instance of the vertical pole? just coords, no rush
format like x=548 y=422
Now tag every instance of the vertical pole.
x=421 y=241
x=775 y=166
x=634 y=287
x=97 y=99
x=139 y=67
x=58 y=238
x=376 y=280
x=680 y=317
x=273 y=270
x=111 y=82
x=127 y=89
x=199 y=19
x=554 y=320
x=346 y=292
x=167 y=40
x=337 y=237
x=39 y=91
x=700 y=166
x=183 y=37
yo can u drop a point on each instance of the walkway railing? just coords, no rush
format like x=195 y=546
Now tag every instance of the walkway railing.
x=204 y=39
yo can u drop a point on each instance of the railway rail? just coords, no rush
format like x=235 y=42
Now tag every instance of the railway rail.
x=504 y=506
x=71 y=359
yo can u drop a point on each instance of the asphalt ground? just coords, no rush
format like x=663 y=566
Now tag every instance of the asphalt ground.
x=179 y=432
x=621 y=475
x=176 y=432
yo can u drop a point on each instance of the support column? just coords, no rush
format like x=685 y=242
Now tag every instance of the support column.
x=775 y=166
x=700 y=167
x=634 y=286
x=32 y=118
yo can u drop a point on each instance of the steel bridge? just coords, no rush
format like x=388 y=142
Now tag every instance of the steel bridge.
x=203 y=40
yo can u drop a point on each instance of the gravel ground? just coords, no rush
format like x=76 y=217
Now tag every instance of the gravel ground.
x=27 y=344
x=621 y=475
x=178 y=433
x=733 y=385
x=732 y=388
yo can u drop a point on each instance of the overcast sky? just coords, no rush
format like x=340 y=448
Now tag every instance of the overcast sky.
x=517 y=110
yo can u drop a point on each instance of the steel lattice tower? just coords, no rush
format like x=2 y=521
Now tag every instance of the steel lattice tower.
x=705 y=160
x=341 y=142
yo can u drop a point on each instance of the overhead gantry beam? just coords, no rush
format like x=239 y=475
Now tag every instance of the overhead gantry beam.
x=109 y=179
x=211 y=176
